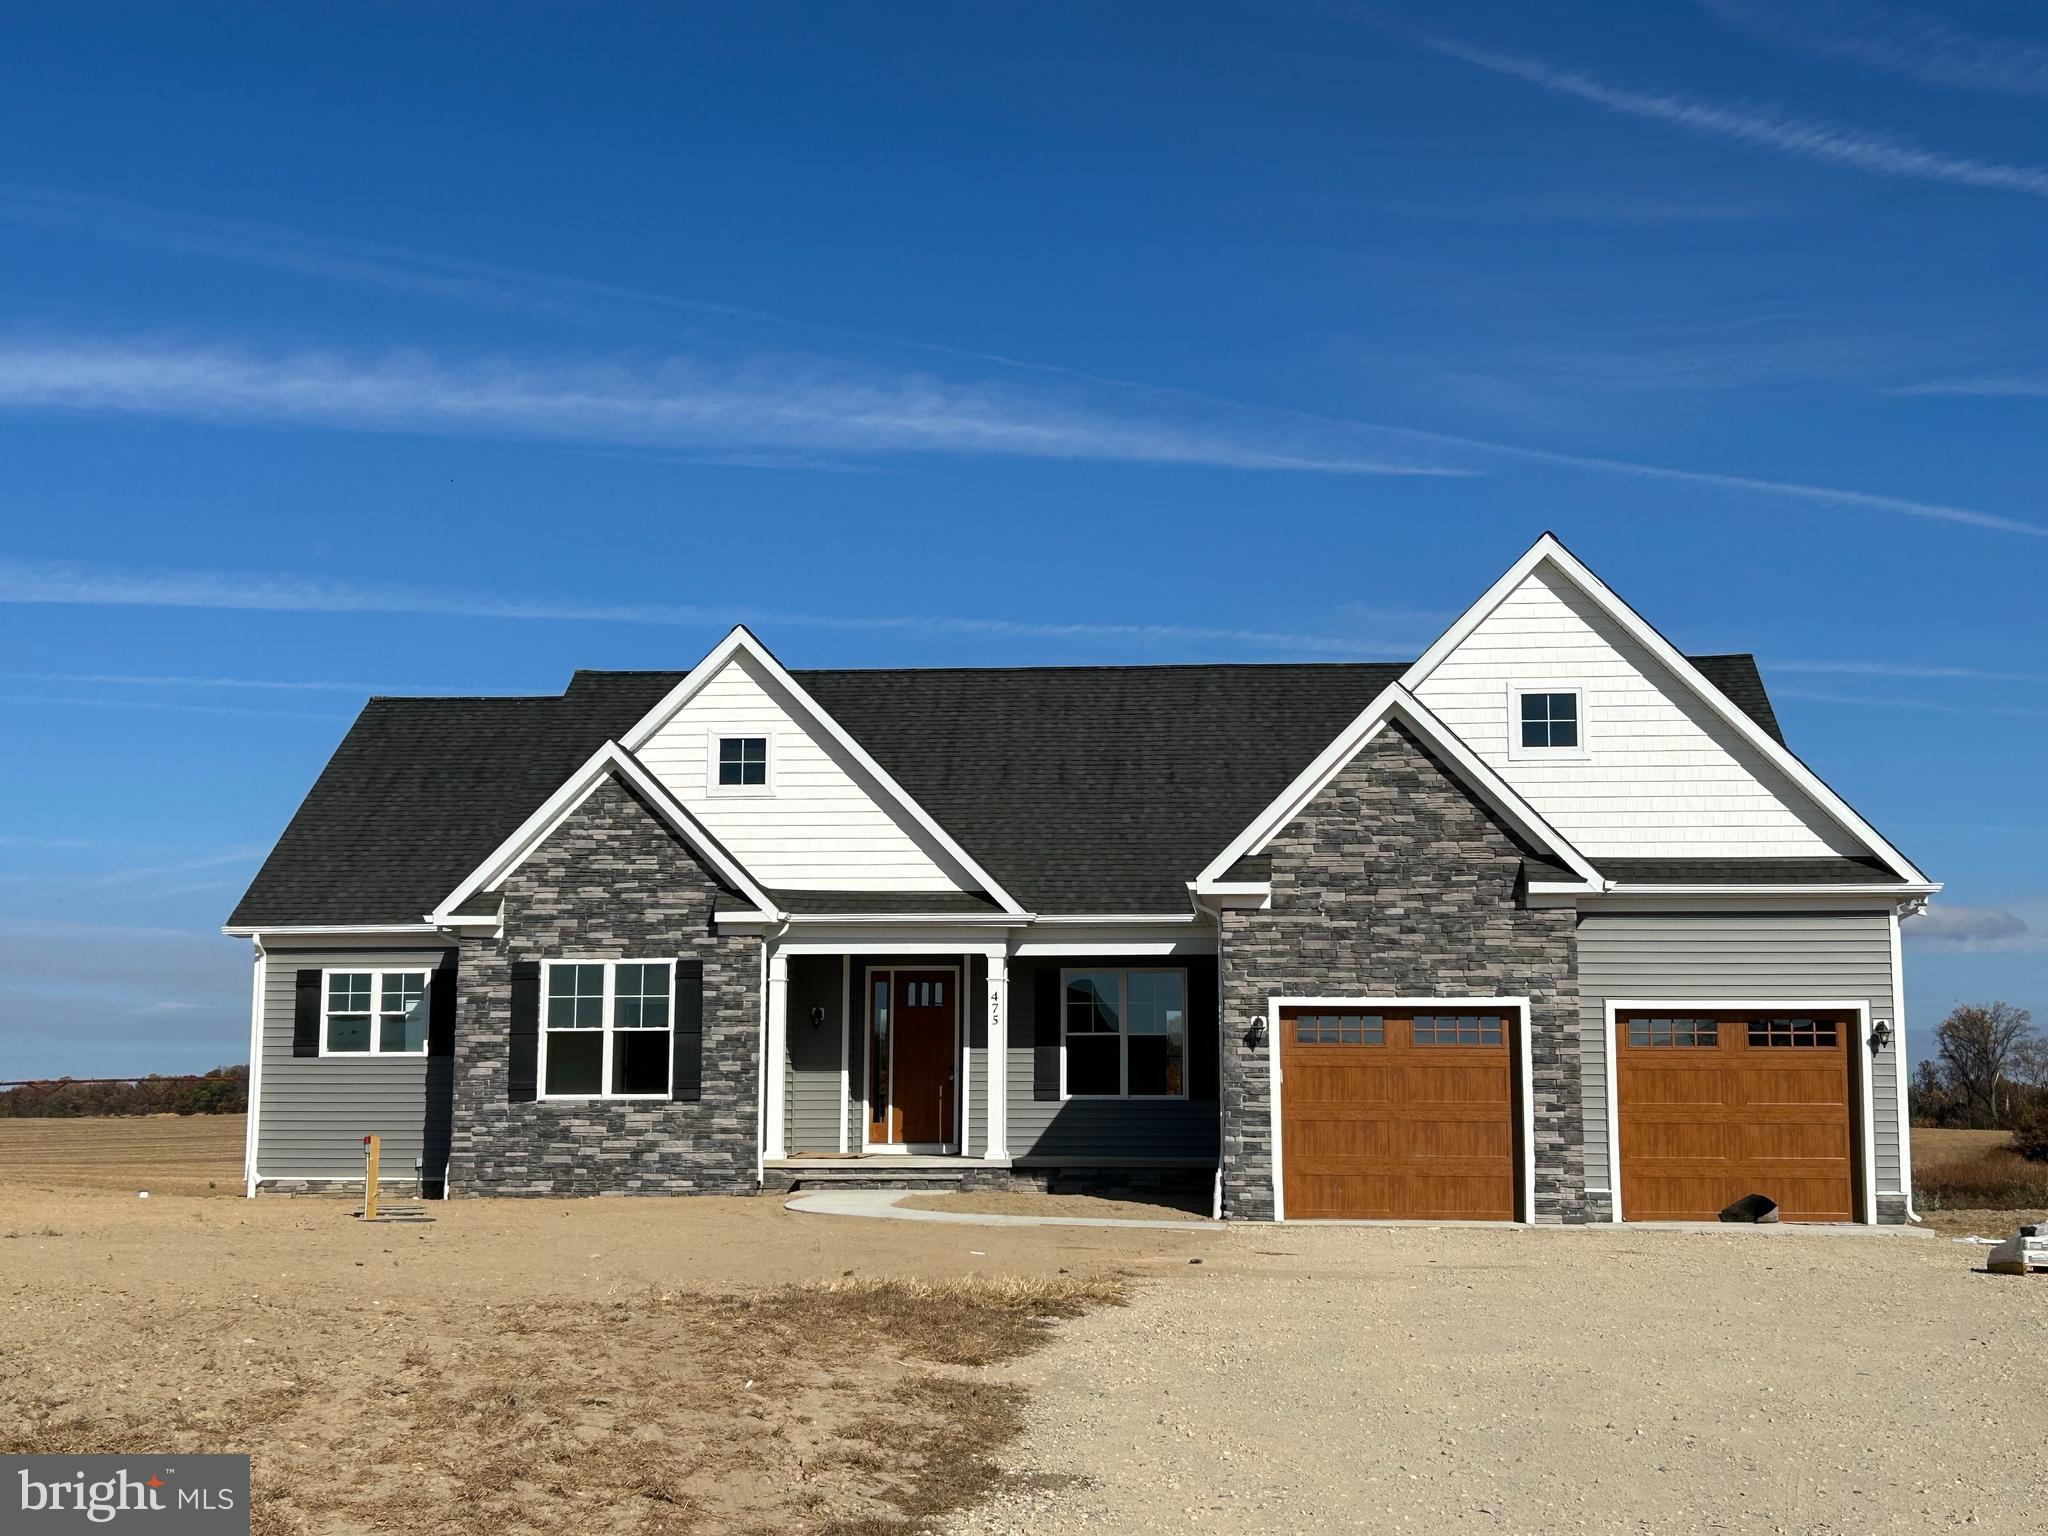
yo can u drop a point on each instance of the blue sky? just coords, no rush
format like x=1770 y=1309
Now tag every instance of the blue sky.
x=445 y=348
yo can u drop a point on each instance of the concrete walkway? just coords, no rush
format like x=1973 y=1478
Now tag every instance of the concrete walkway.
x=882 y=1203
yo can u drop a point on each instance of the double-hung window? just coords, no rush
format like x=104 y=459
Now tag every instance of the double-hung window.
x=1546 y=720
x=607 y=1029
x=1126 y=1034
x=374 y=1013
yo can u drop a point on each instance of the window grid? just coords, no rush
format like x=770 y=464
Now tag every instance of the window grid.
x=1456 y=1029
x=743 y=761
x=1766 y=1034
x=1125 y=1034
x=374 y=1013
x=1550 y=720
x=1340 y=1029
x=1673 y=1031
x=608 y=1029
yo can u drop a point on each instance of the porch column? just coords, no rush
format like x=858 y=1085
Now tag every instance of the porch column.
x=998 y=1115
x=775 y=1070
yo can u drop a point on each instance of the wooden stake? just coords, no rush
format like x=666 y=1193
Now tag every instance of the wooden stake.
x=370 y=1178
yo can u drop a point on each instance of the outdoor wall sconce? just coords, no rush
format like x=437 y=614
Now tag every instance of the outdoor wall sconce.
x=1880 y=1034
x=818 y=1017
x=1255 y=1037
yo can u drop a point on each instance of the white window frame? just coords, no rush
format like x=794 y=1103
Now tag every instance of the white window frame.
x=714 y=738
x=1521 y=754
x=606 y=1030
x=377 y=973
x=1123 y=1033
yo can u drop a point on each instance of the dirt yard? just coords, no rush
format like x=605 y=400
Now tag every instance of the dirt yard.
x=729 y=1366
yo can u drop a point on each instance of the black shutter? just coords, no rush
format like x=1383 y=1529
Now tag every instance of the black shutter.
x=441 y=1010
x=522 y=1070
x=306 y=1015
x=1045 y=1033
x=688 y=1084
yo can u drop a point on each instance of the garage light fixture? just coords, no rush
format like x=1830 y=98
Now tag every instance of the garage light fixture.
x=1255 y=1036
x=1880 y=1034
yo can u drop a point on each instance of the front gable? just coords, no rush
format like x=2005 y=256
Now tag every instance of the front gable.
x=1667 y=767
x=821 y=821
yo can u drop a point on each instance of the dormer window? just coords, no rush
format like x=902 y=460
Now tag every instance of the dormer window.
x=739 y=765
x=1546 y=722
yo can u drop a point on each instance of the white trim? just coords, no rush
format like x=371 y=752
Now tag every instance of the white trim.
x=289 y=930
x=608 y=759
x=606 y=1030
x=1899 y=1066
x=1525 y=1084
x=845 y=1043
x=996 y=1046
x=1615 y=1006
x=1133 y=919
x=936 y=1148
x=1894 y=890
x=1123 y=1095
x=256 y=1006
x=775 y=1059
x=1518 y=753
x=714 y=742
x=861 y=919
x=741 y=640
x=1395 y=701
x=1548 y=548
x=376 y=1012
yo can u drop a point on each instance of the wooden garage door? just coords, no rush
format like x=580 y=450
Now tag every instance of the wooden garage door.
x=1716 y=1105
x=1388 y=1115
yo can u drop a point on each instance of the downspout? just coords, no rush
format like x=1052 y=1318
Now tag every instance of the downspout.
x=260 y=974
x=1900 y=912
x=1215 y=915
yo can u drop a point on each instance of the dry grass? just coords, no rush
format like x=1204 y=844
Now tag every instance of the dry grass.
x=165 y=1154
x=846 y=1407
x=1975 y=1171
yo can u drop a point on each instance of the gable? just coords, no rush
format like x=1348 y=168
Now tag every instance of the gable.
x=829 y=823
x=1664 y=776
x=1395 y=816
x=612 y=840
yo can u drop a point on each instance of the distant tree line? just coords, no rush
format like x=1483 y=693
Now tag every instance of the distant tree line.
x=223 y=1091
x=1989 y=1072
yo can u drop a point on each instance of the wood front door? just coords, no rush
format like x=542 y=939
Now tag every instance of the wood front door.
x=915 y=1044
x=1397 y=1115
x=1716 y=1104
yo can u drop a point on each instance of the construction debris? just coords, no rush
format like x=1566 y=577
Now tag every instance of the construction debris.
x=2024 y=1252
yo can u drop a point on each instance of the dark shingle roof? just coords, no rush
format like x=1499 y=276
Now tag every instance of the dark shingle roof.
x=1080 y=789
x=826 y=903
x=1831 y=871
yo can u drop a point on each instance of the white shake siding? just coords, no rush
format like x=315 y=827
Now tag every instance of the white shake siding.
x=826 y=826
x=1662 y=776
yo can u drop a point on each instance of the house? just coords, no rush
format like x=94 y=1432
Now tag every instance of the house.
x=1547 y=925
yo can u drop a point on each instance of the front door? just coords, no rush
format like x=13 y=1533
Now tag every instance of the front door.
x=916 y=1049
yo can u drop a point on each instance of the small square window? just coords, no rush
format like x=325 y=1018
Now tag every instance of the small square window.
x=743 y=761
x=1549 y=721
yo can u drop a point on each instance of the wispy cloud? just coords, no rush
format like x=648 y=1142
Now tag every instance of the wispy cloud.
x=31 y=582
x=676 y=403
x=264 y=684
x=1973 y=930
x=1805 y=138
x=1912 y=44
x=1858 y=701
x=167 y=706
x=2018 y=386
x=1908 y=669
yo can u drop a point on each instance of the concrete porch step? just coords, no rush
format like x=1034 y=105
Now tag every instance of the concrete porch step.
x=933 y=1173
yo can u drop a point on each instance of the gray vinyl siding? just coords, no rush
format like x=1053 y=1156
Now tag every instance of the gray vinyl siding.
x=314 y=1111
x=1764 y=956
x=812 y=1084
x=1045 y=1128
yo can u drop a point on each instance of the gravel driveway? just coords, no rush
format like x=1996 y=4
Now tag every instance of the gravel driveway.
x=1326 y=1379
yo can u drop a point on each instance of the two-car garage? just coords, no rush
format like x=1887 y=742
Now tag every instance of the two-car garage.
x=1416 y=1111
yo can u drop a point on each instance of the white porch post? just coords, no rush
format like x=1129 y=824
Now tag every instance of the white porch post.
x=998 y=1115
x=775 y=1070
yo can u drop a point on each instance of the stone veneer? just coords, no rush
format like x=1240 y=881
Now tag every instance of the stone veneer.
x=1395 y=882
x=611 y=883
